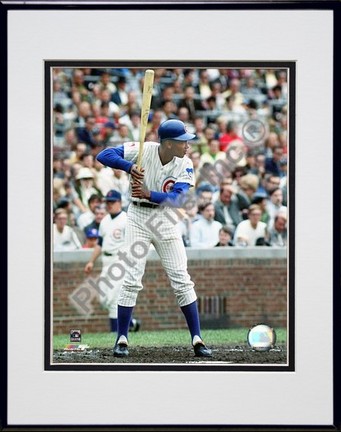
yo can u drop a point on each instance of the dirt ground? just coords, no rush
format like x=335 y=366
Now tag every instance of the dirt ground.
x=138 y=354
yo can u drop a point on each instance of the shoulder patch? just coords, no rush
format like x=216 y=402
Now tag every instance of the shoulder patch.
x=189 y=172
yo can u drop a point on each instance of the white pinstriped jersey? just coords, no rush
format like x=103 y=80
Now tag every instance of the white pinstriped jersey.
x=158 y=177
x=112 y=231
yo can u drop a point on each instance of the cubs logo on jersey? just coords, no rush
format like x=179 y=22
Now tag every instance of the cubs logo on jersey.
x=117 y=234
x=167 y=184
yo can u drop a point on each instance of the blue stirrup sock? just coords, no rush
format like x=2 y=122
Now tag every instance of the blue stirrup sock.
x=113 y=324
x=124 y=314
x=192 y=318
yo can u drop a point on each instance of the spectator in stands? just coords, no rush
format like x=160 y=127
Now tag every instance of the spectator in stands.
x=227 y=210
x=167 y=94
x=232 y=111
x=91 y=237
x=278 y=233
x=271 y=142
x=283 y=167
x=231 y=134
x=156 y=119
x=278 y=101
x=211 y=107
x=271 y=182
x=108 y=132
x=189 y=216
x=122 y=134
x=237 y=173
x=178 y=90
x=57 y=167
x=189 y=79
x=104 y=97
x=275 y=205
x=216 y=92
x=272 y=165
x=70 y=140
x=105 y=83
x=248 y=186
x=192 y=103
x=260 y=198
x=205 y=231
x=135 y=126
x=132 y=105
x=87 y=160
x=169 y=110
x=284 y=181
x=101 y=114
x=100 y=212
x=251 y=230
x=204 y=84
x=209 y=134
x=204 y=193
x=259 y=167
x=78 y=85
x=195 y=156
x=71 y=195
x=58 y=191
x=200 y=141
x=97 y=148
x=183 y=115
x=86 y=134
x=77 y=154
x=250 y=165
x=209 y=176
x=120 y=96
x=225 y=237
x=88 y=216
x=64 y=238
x=250 y=90
x=59 y=94
x=234 y=91
x=213 y=154
x=85 y=186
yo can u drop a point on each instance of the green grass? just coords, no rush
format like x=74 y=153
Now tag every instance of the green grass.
x=166 y=338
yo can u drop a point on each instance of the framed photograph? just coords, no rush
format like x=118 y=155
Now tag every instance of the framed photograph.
x=245 y=85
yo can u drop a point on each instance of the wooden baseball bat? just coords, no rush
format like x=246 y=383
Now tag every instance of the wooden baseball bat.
x=145 y=108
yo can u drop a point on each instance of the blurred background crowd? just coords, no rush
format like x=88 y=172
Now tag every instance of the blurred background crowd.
x=239 y=117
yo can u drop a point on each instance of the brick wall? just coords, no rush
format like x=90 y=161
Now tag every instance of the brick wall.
x=235 y=287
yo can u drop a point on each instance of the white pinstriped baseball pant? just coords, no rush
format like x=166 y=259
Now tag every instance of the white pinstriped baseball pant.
x=109 y=287
x=156 y=226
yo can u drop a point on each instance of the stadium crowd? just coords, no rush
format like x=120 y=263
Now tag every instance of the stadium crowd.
x=239 y=117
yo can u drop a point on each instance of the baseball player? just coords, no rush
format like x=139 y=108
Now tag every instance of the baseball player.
x=110 y=241
x=155 y=189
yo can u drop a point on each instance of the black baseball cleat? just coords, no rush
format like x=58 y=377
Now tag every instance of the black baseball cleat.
x=135 y=325
x=121 y=350
x=201 y=350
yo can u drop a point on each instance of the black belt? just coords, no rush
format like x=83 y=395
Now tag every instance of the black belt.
x=107 y=254
x=144 y=204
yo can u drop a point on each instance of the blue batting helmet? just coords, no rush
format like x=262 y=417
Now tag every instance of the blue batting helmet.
x=175 y=130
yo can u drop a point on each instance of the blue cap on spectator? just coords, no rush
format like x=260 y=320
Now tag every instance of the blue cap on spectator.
x=110 y=124
x=113 y=195
x=64 y=201
x=91 y=233
x=258 y=197
x=204 y=187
